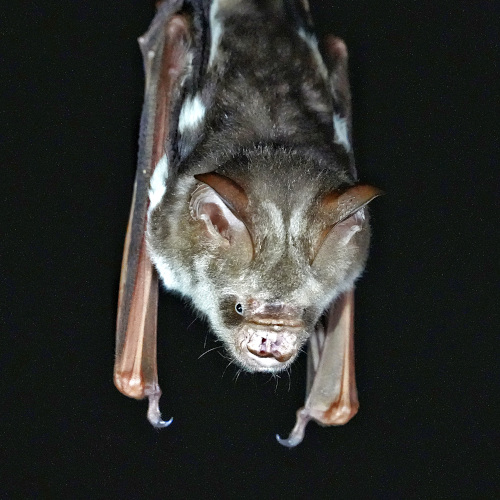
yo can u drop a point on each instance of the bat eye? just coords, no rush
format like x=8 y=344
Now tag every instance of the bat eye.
x=239 y=308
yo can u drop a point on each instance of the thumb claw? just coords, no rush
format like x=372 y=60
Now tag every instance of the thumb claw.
x=297 y=434
x=154 y=414
x=160 y=424
x=291 y=441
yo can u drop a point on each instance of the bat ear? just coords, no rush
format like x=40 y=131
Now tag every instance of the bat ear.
x=343 y=212
x=222 y=205
x=232 y=194
x=342 y=204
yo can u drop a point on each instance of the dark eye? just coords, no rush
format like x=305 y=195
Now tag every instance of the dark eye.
x=239 y=308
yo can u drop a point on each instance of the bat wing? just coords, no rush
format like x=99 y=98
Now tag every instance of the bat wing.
x=332 y=398
x=165 y=48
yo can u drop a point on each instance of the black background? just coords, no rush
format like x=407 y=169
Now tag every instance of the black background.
x=423 y=76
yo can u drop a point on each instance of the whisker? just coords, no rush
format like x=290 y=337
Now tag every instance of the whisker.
x=213 y=349
x=227 y=366
x=191 y=324
x=222 y=355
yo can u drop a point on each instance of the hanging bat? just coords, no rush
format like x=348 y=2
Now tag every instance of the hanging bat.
x=246 y=198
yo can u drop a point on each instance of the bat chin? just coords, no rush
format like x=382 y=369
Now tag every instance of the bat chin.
x=252 y=363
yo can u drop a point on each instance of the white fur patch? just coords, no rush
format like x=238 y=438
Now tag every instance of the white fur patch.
x=192 y=113
x=158 y=183
x=167 y=276
x=215 y=30
x=203 y=293
x=312 y=42
x=297 y=220
x=341 y=134
x=276 y=218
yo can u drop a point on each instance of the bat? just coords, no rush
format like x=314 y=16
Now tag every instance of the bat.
x=246 y=199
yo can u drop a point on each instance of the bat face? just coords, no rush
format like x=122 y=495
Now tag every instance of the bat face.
x=260 y=259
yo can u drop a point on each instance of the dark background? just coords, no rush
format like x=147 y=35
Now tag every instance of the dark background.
x=424 y=83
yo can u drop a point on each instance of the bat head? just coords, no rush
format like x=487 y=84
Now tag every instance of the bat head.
x=262 y=247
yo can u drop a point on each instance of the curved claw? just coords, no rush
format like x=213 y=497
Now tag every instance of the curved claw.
x=154 y=414
x=297 y=434
x=160 y=424
x=290 y=441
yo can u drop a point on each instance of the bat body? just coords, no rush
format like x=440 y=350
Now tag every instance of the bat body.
x=246 y=198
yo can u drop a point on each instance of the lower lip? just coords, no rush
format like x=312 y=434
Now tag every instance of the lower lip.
x=263 y=363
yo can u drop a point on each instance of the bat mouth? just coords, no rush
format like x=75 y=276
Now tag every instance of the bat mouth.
x=269 y=346
x=275 y=344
